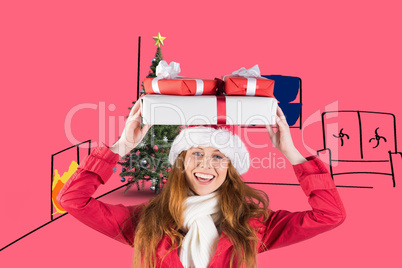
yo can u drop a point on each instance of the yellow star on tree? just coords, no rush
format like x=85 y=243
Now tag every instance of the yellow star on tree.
x=159 y=40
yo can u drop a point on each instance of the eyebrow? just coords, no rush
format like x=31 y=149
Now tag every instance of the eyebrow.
x=216 y=150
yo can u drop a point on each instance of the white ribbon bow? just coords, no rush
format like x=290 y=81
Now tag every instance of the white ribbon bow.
x=168 y=71
x=248 y=73
x=251 y=75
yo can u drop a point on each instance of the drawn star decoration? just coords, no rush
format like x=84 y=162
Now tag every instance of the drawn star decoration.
x=159 y=40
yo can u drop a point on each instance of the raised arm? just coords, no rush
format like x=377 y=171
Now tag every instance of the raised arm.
x=116 y=221
x=284 y=228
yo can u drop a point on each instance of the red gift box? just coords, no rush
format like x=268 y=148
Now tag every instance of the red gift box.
x=238 y=85
x=181 y=86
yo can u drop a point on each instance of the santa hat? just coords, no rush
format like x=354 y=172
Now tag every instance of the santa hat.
x=221 y=137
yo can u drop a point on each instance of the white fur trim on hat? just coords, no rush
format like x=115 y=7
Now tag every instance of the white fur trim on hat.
x=222 y=139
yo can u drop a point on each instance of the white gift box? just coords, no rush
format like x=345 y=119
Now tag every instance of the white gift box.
x=208 y=110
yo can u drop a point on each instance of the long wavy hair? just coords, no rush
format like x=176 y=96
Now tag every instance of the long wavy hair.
x=164 y=215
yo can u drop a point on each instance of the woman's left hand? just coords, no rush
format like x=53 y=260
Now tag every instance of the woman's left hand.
x=282 y=140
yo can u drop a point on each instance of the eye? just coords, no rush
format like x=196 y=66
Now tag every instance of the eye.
x=219 y=157
x=195 y=153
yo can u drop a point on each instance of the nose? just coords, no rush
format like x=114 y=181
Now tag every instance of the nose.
x=206 y=162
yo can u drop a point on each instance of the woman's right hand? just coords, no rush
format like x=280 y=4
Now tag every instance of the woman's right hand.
x=132 y=134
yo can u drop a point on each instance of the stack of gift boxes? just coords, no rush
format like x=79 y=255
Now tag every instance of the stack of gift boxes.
x=242 y=98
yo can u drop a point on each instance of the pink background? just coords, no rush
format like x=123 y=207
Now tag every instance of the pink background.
x=57 y=56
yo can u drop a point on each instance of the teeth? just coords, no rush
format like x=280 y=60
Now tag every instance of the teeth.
x=203 y=176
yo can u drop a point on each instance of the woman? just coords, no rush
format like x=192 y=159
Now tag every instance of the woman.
x=205 y=216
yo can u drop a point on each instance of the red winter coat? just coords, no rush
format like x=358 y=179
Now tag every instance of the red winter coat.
x=281 y=229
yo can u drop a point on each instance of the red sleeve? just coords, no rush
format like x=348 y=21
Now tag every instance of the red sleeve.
x=284 y=228
x=115 y=221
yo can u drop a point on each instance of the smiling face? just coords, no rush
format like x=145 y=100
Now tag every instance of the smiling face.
x=205 y=168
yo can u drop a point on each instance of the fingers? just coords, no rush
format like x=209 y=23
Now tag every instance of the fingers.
x=135 y=113
x=133 y=110
x=281 y=116
x=279 y=111
x=270 y=131
x=281 y=123
x=135 y=107
x=136 y=117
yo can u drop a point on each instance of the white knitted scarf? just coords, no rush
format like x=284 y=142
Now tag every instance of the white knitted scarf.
x=198 y=244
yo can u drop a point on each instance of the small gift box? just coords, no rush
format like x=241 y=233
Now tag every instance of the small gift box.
x=168 y=82
x=248 y=82
x=208 y=110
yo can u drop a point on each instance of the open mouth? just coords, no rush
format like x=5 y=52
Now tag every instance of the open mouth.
x=202 y=178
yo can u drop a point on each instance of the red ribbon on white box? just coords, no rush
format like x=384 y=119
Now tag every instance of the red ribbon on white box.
x=221 y=109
